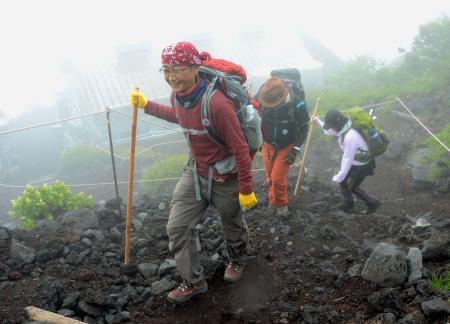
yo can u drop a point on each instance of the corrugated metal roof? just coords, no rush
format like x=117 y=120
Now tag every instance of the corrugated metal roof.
x=92 y=88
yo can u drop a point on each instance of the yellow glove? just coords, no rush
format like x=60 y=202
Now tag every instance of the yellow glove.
x=137 y=98
x=247 y=201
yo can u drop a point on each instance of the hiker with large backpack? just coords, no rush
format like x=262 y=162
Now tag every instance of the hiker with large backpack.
x=219 y=171
x=361 y=141
x=285 y=126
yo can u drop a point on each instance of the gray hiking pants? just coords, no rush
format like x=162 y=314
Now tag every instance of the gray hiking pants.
x=186 y=212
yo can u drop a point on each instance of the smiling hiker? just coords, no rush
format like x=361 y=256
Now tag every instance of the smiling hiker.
x=205 y=181
x=358 y=161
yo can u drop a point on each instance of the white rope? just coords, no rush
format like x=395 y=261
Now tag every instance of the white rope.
x=106 y=183
x=160 y=144
x=138 y=153
x=109 y=152
x=371 y=106
x=148 y=121
x=379 y=104
x=114 y=109
x=49 y=123
x=425 y=127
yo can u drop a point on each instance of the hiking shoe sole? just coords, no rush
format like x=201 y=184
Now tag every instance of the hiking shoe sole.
x=188 y=297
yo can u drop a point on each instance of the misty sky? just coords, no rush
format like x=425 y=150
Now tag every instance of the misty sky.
x=37 y=36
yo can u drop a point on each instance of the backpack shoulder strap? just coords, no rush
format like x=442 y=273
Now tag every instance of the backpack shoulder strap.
x=205 y=116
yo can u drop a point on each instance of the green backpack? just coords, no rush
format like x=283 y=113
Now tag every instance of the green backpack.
x=376 y=139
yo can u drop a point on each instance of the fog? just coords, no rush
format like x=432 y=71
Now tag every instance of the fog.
x=39 y=36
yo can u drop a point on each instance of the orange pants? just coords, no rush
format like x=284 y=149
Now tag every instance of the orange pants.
x=276 y=172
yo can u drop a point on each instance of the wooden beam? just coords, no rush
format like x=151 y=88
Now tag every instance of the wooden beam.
x=42 y=315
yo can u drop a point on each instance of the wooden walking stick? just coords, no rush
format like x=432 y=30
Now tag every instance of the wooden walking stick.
x=305 y=153
x=130 y=181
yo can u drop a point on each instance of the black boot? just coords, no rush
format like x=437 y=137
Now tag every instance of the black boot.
x=372 y=208
x=346 y=208
x=347 y=204
x=371 y=201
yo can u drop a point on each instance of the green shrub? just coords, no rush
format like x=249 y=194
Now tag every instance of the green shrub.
x=46 y=202
x=167 y=168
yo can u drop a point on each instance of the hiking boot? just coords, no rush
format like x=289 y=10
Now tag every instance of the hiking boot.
x=346 y=208
x=372 y=208
x=283 y=211
x=186 y=291
x=233 y=272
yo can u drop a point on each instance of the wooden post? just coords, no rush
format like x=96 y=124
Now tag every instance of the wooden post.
x=130 y=182
x=305 y=152
x=111 y=148
x=37 y=314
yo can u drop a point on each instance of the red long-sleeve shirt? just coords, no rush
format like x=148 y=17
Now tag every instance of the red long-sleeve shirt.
x=204 y=151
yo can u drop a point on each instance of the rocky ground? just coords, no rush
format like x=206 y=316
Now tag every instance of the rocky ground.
x=317 y=266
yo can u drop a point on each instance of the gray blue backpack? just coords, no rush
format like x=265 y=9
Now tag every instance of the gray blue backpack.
x=229 y=78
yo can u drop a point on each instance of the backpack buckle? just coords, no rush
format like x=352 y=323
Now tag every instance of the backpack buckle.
x=219 y=179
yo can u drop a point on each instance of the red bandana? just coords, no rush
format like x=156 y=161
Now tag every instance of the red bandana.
x=181 y=53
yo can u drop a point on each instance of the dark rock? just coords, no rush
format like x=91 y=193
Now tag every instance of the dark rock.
x=52 y=292
x=166 y=267
x=80 y=220
x=86 y=275
x=70 y=302
x=5 y=244
x=385 y=318
x=148 y=270
x=98 y=235
x=43 y=255
x=75 y=258
x=386 y=300
x=355 y=270
x=14 y=275
x=130 y=269
x=20 y=253
x=114 y=204
x=436 y=306
x=66 y=312
x=162 y=285
x=6 y=285
x=413 y=318
x=319 y=314
x=90 y=309
x=437 y=247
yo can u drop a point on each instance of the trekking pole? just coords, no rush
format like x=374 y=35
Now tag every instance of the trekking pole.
x=130 y=182
x=305 y=153
x=111 y=148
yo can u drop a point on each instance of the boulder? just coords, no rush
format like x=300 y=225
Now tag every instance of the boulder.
x=386 y=266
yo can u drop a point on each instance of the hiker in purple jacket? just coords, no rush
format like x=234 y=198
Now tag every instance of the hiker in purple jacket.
x=353 y=169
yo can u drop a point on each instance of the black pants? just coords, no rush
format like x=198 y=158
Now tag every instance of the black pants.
x=351 y=184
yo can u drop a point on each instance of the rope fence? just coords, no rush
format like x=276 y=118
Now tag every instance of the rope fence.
x=106 y=183
x=115 y=109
